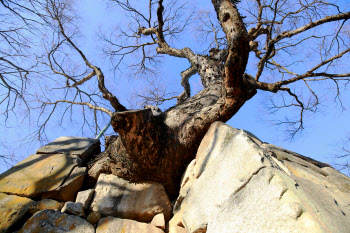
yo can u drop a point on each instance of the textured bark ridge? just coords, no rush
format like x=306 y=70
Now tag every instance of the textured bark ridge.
x=161 y=146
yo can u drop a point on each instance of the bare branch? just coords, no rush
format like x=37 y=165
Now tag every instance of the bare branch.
x=110 y=113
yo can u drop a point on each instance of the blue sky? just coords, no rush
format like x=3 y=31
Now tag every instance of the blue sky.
x=323 y=131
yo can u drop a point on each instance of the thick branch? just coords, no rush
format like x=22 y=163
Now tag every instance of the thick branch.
x=186 y=75
x=327 y=19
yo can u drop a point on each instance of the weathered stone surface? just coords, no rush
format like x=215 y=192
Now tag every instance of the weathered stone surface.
x=186 y=182
x=176 y=220
x=139 y=201
x=112 y=225
x=85 y=197
x=93 y=217
x=69 y=189
x=159 y=221
x=73 y=208
x=12 y=211
x=243 y=185
x=38 y=174
x=48 y=221
x=177 y=229
x=83 y=147
x=44 y=205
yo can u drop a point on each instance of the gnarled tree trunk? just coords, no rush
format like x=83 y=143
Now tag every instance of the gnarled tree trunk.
x=158 y=147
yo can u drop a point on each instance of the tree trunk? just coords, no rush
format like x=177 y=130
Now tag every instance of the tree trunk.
x=158 y=148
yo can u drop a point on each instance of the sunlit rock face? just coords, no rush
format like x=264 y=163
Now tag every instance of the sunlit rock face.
x=237 y=183
x=55 y=172
x=139 y=201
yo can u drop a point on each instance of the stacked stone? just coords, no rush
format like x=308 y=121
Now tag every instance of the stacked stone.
x=236 y=183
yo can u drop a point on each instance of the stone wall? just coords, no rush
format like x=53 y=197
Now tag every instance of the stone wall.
x=236 y=184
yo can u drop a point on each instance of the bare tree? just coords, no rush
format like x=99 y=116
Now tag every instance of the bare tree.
x=158 y=146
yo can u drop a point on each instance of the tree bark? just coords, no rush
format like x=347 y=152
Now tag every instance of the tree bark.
x=158 y=148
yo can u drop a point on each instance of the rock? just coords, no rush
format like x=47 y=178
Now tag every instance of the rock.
x=72 y=185
x=45 y=204
x=73 y=208
x=243 y=185
x=85 y=197
x=176 y=220
x=47 y=221
x=159 y=221
x=177 y=229
x=83 y=147
x=186 y=182
x=139 y=201
x=13 y=210
x=111 y=225
x=93 y=217
x=38 y=174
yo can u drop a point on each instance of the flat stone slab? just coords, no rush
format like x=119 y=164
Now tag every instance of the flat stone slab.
x=37 y=174
x=12 y=211
x=80 y=146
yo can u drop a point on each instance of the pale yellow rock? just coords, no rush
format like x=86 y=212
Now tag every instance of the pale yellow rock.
x=38 y=173
x=12 y=211
x=113 y=225
x=177 y=229
x=176 y=220
x=159 y=221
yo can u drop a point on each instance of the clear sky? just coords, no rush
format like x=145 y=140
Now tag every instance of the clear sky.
x=323 y=131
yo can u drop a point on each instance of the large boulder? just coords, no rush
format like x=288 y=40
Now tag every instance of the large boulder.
x=239 y=184
x=13 y=210
x=112 y=225
x=117 y=197
x=48 y=221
